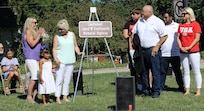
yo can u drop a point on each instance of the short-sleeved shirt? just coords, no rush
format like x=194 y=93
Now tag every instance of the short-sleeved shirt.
x=129 y=26
x=149 y=31
x=6 y=63
x=187 y=35
x=170 y=47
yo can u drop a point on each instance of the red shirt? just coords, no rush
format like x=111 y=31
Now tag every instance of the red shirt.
x=187 y=35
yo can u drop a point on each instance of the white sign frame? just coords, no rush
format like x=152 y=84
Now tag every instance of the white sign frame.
x=95 y=29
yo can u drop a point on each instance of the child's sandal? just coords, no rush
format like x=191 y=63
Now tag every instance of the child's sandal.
x=21 y=89
x=7 y=91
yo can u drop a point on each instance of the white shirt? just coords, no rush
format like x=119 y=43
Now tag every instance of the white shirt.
x=170 y=47
x=150 y=31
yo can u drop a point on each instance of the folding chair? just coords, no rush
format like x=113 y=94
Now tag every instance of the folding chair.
x=3 y=81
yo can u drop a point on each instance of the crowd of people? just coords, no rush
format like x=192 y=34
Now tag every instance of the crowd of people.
x=153 y=44
x=163 y=42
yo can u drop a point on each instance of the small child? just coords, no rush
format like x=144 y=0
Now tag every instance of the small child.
x=46 y=84
x=9 y=66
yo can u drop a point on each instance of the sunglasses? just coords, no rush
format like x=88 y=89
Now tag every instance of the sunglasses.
x=35 y=22
x=133 y=13
x=47 y=52
x=60 y=29
x=185 y=13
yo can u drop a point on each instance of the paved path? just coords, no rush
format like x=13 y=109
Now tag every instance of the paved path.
x=98 y=71
x=105 y=70
x=119 y=69
x=111 y=70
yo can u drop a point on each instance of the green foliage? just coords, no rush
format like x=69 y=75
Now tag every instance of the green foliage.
x=49 y=12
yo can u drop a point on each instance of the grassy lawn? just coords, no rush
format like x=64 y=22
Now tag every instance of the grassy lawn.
x=104 y=96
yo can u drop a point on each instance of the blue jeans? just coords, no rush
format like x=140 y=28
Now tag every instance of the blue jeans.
x=152 y=63
x=175 y=63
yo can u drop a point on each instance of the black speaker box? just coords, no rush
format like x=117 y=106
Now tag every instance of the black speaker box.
x=125 y=93
x=80 y=83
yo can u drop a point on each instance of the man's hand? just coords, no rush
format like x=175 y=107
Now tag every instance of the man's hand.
x=155 y=50
x=41 y=81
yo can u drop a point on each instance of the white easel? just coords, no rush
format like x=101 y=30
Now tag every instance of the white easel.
x=92 y=11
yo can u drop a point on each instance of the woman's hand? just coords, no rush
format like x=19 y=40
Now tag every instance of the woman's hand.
x=57 y=63
x=41 y=32
x=184 y=49
x=81 y=53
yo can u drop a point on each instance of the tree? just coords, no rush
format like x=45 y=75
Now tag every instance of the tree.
x=48 y=12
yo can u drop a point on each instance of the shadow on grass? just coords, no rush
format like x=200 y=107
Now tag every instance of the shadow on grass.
x=83 y=94
x=37 y=100
x=22 y=96
x=167 y=88
x=113 y=107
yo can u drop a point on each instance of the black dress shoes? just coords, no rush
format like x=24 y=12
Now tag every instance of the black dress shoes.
x=155 y=95
x=144 y=95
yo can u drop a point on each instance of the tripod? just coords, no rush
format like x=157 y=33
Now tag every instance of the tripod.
x=92 y=11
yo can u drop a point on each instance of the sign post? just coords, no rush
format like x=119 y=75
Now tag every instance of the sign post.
x=94 y=29
x=178 y=8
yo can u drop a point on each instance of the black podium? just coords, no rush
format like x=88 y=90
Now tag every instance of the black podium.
x=80 y=83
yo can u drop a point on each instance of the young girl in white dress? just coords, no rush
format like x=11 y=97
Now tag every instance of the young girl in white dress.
x=46 y=84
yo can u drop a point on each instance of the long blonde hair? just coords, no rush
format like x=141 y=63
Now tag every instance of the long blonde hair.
x=190 y=11
x=28 y=26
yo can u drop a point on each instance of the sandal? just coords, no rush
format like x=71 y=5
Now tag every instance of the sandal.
x=7 y=91
x=21 y=89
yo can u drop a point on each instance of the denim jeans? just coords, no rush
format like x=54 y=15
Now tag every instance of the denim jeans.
x=152 y=63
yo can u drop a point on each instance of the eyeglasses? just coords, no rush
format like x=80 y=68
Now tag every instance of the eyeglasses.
x=185 y=13
x=35 y=22
x=133 y=13
x=1 y=47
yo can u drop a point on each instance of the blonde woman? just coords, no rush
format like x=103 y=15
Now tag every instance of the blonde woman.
x=64 y=48
x=188 y=40
x=31 y=43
